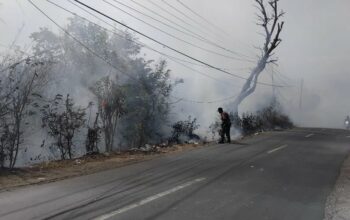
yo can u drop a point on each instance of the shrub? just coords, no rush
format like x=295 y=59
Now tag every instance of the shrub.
x=63 y=120
x=269 y=118
x=184 y=131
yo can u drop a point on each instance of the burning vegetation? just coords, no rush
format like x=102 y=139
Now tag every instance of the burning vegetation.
x=48 y=99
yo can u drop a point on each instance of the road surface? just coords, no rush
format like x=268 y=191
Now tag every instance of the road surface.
x=281 y=175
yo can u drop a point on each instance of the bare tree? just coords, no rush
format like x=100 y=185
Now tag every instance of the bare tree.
x=5 y=142
x=93 y=137
x=63 y=120
x=111 y=102
x=23 y=79
x=269 y=17
x=4 y=99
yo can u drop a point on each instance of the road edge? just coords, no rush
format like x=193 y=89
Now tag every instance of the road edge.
x=338 y=202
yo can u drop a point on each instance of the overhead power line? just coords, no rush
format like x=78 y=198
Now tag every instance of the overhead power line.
x=175 y=37
x=169 y=47
x=169 y=20
x=204 y=26
x=174 y=59
x=202 y=17
x=205 y=31
x=78 y=41
x=185 y=15
x=221 y=30
x=184 y=28
x=187 y=32
x=106 y=61
x=278 y=75
x=133 y=40
x=207 y=102
x=179 y=19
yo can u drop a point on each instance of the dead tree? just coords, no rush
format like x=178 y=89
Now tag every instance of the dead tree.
x=93 y=137
x=269 y=17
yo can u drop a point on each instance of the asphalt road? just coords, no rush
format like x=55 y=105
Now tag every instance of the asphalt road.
x=281 y=175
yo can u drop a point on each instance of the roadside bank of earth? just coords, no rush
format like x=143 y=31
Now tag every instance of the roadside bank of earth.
x=63 y=169
x=338 y=203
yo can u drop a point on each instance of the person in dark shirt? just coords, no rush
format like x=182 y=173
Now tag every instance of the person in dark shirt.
x=225 y=126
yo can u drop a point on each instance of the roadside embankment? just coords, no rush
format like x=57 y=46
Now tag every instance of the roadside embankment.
x=338 y=203
x=63 y=169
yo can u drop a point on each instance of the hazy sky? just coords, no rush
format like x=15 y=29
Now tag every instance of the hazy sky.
x=315 y=47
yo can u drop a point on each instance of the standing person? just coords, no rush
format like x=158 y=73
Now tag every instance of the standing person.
x=347 y=122
x=225 y=126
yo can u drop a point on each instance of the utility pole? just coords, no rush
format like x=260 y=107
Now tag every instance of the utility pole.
x=301 y=95
x=273 y=84
x=274 y=97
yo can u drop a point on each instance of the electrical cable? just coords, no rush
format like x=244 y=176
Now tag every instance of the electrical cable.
x=203 y=18
x=128 y=39
x=177 y=38
x=222 y=31
x=178 y=18
x=174 y=59
x=207 y=102
x=100 y=57
x=188 y=17
x=192 y=34
x=169 y=47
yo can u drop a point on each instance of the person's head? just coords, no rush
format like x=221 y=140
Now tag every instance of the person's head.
x=220 y=110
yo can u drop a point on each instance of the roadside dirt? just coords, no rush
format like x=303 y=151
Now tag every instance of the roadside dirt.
x=338 y=203
x=58 y=170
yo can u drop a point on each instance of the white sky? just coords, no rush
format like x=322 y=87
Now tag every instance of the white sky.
x=315 y=47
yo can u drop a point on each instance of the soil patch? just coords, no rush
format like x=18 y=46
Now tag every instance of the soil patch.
x=58 y=170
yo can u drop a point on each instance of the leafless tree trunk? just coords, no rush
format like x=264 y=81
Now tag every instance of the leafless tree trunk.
x=93 y=137
x=269 y=18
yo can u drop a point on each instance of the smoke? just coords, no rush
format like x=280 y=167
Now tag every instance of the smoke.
x=315 y=48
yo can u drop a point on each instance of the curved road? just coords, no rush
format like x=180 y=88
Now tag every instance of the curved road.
x=281 y=175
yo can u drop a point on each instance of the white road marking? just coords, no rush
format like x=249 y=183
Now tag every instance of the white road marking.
x=277 y=149
x=348 y=136
x=309 y=135
x=148 y=200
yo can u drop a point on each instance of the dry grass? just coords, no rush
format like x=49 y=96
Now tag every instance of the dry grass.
x=58 y=170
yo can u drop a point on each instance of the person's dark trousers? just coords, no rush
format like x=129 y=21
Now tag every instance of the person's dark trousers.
x=225 y=132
